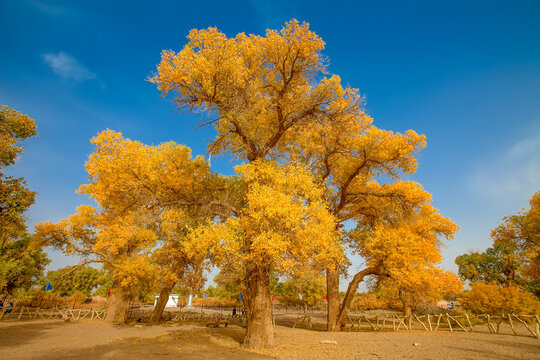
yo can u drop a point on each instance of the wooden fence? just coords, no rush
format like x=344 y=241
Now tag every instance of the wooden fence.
x=449 y=322
x=378 y=322
x=188 y=317
x=25 y=312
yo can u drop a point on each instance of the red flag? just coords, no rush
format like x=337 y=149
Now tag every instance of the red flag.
x=272 y=297
x=109 y=292
x=326 y=297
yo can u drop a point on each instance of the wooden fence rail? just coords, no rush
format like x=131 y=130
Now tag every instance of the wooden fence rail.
x=374 y=322
x=25 y=312
x=454 y=322
x=182 y=316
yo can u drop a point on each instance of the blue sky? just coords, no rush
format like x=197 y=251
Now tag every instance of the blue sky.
x=464 y=73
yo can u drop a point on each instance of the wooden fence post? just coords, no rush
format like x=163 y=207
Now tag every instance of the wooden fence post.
x=438 y=321
x=449 y=324
x=417 y=319
x=458 y=323
x=511 y=324
x=490 y=325
x=468 y=322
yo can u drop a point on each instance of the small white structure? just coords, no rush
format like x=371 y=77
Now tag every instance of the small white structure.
x=172 y=302
x=447 y=305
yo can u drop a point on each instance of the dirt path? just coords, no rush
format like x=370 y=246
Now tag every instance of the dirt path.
x=304 y=344
x=38 y=339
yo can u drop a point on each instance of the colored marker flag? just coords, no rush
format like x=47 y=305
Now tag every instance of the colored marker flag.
x=272 y=297
x=240 y=297
x=326 y=297
x=48 y=287
x=300 y=296
x=109 y=292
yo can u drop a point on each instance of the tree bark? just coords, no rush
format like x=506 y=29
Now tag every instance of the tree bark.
x=162 y=301
x=405 y=302
x=118 y=306
x=407 y=311
x=259 y=329
x=345 y=307
x=332 y=290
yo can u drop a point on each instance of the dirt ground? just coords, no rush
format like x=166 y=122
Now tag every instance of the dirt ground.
x=56 y=339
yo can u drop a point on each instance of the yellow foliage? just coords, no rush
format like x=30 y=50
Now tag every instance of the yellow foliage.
x=517 y=239
x=419 y=289
x=369 y=302
x=15 y=197
x=147 y=196
x=13 y=125
x=284 y=224
x=76 y=299
x=492 y=299
x=121 y=243
x=274 y=100
x=126 y=173
x=268 y=90
x=405 y=245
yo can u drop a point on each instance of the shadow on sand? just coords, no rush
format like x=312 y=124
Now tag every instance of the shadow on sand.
x=203 y=343
x=22 y=332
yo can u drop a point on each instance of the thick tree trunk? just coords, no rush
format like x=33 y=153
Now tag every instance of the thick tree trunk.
x=407 y=311
x=345 y=307
x=117 y=306
x=405 y=302
x=162 y=301
x=332 y=290
x=258 y=305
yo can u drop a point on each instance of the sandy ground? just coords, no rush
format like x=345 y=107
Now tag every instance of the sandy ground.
x=56 y=339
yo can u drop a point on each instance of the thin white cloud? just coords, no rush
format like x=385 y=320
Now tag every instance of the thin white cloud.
x=67 y=67
x=514 y=175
